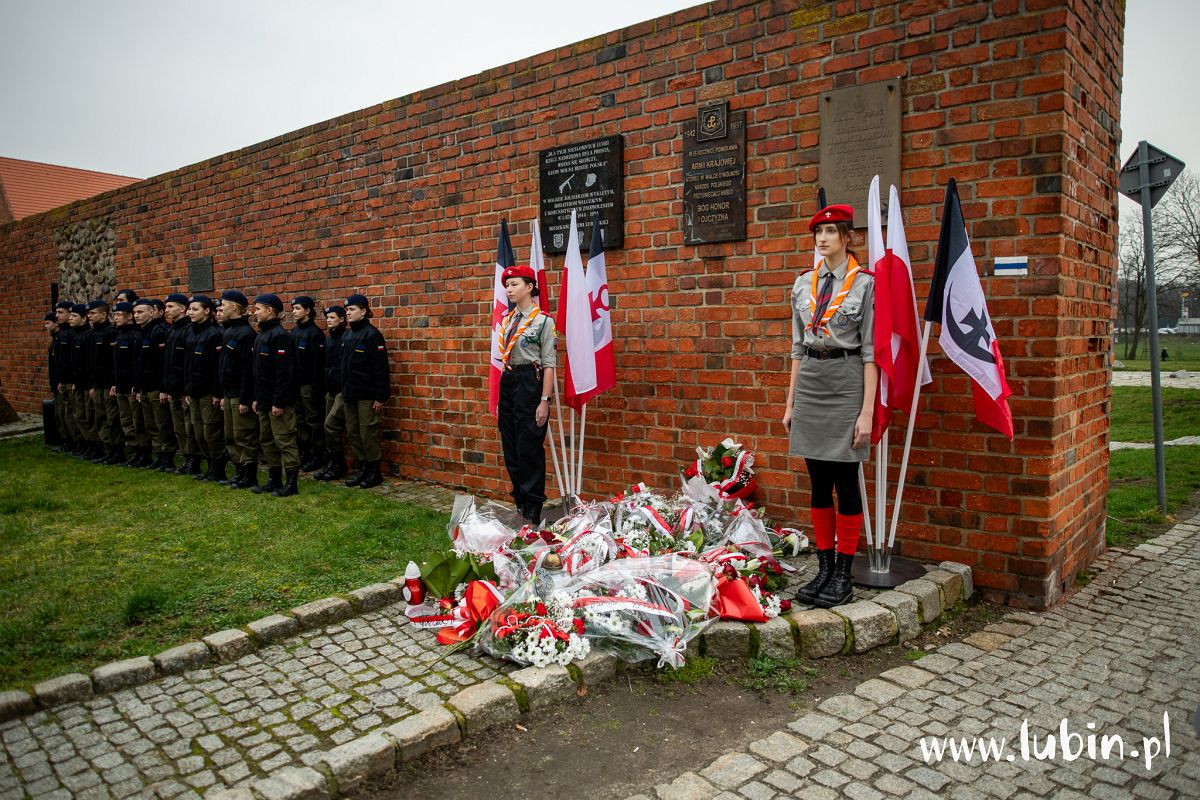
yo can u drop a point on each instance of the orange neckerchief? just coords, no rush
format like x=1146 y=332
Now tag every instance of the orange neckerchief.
x=836 y=302
x=512 y=340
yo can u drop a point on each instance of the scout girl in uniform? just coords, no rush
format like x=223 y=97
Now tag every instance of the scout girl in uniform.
x=527 y=347
x=831 y=397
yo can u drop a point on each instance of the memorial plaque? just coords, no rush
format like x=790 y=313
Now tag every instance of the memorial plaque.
x=860 y=138
x=200 y=274
x=714 y=176
x=586 y=178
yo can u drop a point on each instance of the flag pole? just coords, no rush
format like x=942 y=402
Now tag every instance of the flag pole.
x=908 y=434
x=582 y=440
x=862 y=490
x=558 y=475
x=563 y=446
x=880 y=497
x=571 y=464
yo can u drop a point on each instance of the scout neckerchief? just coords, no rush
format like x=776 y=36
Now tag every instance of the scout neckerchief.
x=513 y=337
x=836 y=303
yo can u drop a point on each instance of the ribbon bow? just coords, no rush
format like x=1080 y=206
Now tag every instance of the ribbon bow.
x=480 y=600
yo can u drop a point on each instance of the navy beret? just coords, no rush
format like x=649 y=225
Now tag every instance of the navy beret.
x=270 y=301
x=158 y=304
x=306 y=301
x=176 y=297
x=204 y=300
x=339 y=310
x=130 y=293
x=144 y=301
x=359 y=300
x=64 y=304
x=49 y=317
x=79 y=308
x=123 y=306
x=235 y=296
x=97 y=303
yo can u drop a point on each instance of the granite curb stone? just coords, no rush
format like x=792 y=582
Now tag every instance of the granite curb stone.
x=484 y=705
x=322 y=612
x=120 y=674
x=274 y=628
x=359 y=760
x=230 y=645
x=182 y=658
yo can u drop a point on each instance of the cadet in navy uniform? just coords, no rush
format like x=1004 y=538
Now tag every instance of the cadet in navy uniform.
x=335 y=417
x=527 y=347
x=124 y=357
x=62 y=383
x=831 y=397
x=310 y=375
x=237 y=390
x=155 y=416
x=81 y=374
x=104 y=406
x=275 y=394
x=174 y=385
x=202 y=386
x=366 y=386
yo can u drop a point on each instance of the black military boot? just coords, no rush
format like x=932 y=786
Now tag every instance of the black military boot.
x=166 y=462
x=314 y=461
x=807 y=593
x=134 y=457
x=191 y=466
x=201 y=474
x=288 y=489
x=149 y=458
x=228 y=481
x=374 y=475
x=248 y=479
x=838 y=590
x=216 y=468
x=274 y=481
x=364 y=467
x=116 y=455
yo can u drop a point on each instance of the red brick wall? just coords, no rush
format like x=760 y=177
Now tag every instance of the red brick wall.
x=1019 y=100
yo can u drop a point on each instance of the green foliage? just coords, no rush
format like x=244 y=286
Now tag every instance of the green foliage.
x=103 y=563
x=1183 y=352
x=1132 y=496
x=1132 y=416
x=915 y=655
x=788 y=675
x=697 y=668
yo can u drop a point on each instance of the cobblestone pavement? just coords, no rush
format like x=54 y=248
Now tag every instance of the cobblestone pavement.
x=25 y=425
x=1182 y=440
x=226 y=725
x=1119 y=653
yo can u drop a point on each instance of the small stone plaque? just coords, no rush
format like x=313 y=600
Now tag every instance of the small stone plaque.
x=714 y=176
x=200 y=274
x=586 y=178
x=860 y=138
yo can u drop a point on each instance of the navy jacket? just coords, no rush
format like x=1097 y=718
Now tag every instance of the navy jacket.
x=310 y=355
x=275 y=367
x=151 y=353
x=175 y=358
x=202 y=368
x=365 y=372
x=237 y=360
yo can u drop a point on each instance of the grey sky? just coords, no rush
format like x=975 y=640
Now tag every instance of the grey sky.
x=140 y=87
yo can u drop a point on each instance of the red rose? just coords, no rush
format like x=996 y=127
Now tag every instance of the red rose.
x=726 y=461
x=776 y=568
x=541 y=609
x=785 y=606
x=446 y=603
x=548 y=537
x=578 y=626
x=690 y=472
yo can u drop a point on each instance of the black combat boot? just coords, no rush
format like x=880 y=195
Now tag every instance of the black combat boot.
x=838 y=590
x=274 y=481
x=314 y=462
x=364 y=467
x=288 y=489
x=373 y=475
x=248 y=476
x=807 y=593
x=229 y=481
x=116 y=455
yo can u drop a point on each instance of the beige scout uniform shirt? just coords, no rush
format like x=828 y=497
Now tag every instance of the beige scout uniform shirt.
x=537 y=345
x=853 y=325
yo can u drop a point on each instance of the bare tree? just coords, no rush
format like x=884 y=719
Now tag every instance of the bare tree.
x=1179 y=212
x=1132 y=308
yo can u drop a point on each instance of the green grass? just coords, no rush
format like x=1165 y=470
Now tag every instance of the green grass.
x=788 y=675
x=1183 y=352
x=1132 y=498
x=102 y=563
x=1132 y=416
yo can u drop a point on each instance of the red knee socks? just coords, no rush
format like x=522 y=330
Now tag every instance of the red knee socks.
x=822 y=523
x=848 y=527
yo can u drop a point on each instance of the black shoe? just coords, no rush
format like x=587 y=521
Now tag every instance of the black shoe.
x=95 y=453
x=248 y=476
x=289 y=488
x=134 y=458
x=188 y=466
x=166 y=462
x=315 y=461
x=807 y=594
x=274 y=481
x=839 y=589
x=216 y=469
x=373 y=475
x=149 y=458
x=336 y=470
x=237 y=476
x=533 y=514
x=201 y=474
x=364 y=468
x=116 y=455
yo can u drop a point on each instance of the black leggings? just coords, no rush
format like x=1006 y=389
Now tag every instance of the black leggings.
x=825 y=475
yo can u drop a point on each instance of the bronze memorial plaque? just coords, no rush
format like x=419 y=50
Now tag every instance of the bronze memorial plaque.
x=714 y=176
x=585 y=177
x=860 y=138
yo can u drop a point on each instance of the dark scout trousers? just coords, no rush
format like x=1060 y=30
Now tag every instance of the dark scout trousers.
x=523 y=441
x=207 y=426
x=181 y=422
x=278 y=437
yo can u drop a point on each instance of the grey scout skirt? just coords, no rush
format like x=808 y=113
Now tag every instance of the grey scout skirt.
x=828 y=399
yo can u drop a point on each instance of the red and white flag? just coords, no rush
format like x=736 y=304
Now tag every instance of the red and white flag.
x=537 y=261
x=956 y=301
x=574 y=321
x=897 y=337
x=500 y=307
x=602 y=339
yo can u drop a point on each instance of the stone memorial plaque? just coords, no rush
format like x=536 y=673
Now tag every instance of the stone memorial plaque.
x=200 y=274
x=586 y=178
x=860 y=138
x=714 y=176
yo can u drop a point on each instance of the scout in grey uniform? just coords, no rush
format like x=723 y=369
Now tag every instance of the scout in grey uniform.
x=831 y=397
x=527 y=346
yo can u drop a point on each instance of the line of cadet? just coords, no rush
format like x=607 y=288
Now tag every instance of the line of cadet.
x=220 y=382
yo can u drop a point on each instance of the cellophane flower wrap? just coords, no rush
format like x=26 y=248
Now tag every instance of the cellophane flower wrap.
x=478 y=528
x=640 y=608
x=535 y=626
x=726 y=471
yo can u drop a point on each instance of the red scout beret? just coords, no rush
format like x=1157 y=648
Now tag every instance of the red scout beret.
x=519 y=271
x=835 y=213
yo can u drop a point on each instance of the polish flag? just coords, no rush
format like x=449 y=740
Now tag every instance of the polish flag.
x=537 y=260
x=574 y=321
x=598 y=300
x=897 y=338
x=500 y=307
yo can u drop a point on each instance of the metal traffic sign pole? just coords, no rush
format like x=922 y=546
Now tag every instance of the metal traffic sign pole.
x=1145 y=178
